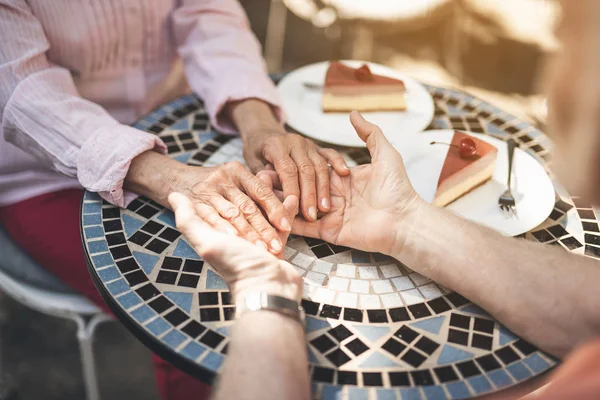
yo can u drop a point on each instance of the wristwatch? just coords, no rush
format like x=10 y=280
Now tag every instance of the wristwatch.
x=263 y=301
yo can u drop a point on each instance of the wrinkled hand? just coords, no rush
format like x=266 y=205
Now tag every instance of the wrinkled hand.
x=244 y=266
x=301 y=165
x=228 y=198
x=369 y=205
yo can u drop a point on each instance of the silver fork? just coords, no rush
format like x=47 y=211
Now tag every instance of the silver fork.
x=506 y=200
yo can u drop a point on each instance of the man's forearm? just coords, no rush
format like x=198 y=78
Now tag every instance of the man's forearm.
x=543 y=293
x=266 y=359
x=252 y=117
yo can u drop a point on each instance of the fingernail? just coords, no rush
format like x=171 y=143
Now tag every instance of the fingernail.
x=325 y=203
x=276 y=245
x=285 y=224
x=312 y=212
x=344 y=166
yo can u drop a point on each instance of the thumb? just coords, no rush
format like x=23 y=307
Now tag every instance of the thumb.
x=379 y=147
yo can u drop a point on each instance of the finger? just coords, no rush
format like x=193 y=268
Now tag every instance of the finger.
x=291 y=204
x=286 y=169
x=255 y=218
x=321 y=180
x=254 y=164
x=212 y=218
x=379 y=147
x=336 y=161
x=269 y=167
x=272 y=175
x=266 y=178
x=308 y=190
x=231 y=213
x=302 y=227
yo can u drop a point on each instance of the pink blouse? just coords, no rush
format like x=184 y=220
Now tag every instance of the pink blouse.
x=73 y=73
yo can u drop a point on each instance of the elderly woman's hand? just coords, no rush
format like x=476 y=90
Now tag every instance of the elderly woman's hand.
x=244 y=266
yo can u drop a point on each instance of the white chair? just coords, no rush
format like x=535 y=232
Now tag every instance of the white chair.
x=26 y=282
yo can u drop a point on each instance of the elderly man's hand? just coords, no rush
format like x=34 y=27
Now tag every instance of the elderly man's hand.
x=372 y=208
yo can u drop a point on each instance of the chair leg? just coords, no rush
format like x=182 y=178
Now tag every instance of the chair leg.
x=275 y=40
x=85 y=336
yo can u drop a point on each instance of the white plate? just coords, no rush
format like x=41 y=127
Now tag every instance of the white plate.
x=531 y=185
x=303 y=107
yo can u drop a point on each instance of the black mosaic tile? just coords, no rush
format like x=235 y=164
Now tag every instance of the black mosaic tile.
x=200 y=157
x=484 y=114
x=439 y=305
x=377 y=316
x=556 y=215
x=311 y=242
x=209 y=314
x=537 y=148
x=524 y=347
x=176 y=317
x=338 y=357
x=194 y=266
x=592 y=239
x=147 y=211
x=497 y=122
x=222 y=139
x=166 y=121
x=322 y=251
x=357 y=347
x=445 y=374
x=406 y=334
x=353 y=314
x=338 y=249
x=330 y=311
x=226 y=298
x=169 y=234
x=571 y=243
x=419 y=310
x=372 y=379
x=140 y=238
x=413 y=358
x=399 y=314
x=347 y=378
x=511 y=129
x=458 y=337
x=166 y=277
x=422 y=377
x=189 y=145
x=155 y=129
x=229 y=313
x=173 y=148
x=340 y=333
x=185 y=136
x=168 y=139
x=115 y=238
x=160 y=304
x=224 y=349
x=456 y=299
x=152 y=227
x=321 y=374
x=135 y=278
x=587 y=226
x=399 y=379
x=467 y=369
x=426 y=345
x=310 y=307
x=193 y=329
x=542 y=236
x=563 y=205
x=323 y=343
x=127 y=265
x=135 y=204
x=112 y=225
x=452 y=102
x=557 y=231
x=188 y=280
x=393 y=346
x=488 y=362
x=109 y=213
x=592 y=251
x=212 y=339
x=208 y=298
x=148 y=291
x=481 y=341
x=210 y=148
x=171 y=263
x=157 y=246
x=586 y=214
x=484 y=325
x=507 y=355
x=120 y=252
x=460 y=321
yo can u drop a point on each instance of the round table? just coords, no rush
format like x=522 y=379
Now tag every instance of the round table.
x=375 y=329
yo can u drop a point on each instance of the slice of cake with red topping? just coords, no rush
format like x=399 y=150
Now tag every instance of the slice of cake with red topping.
x=348 y=89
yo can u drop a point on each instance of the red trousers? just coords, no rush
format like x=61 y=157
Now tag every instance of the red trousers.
x=47 y=228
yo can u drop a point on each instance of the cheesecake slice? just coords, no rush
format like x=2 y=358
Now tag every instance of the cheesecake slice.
x=464 y=171
x=348 y=89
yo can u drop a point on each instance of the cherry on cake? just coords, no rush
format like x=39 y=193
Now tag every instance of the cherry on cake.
x=469 y=163
x=348 y=89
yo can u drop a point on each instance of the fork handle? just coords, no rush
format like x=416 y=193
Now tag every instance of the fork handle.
x=510 y=144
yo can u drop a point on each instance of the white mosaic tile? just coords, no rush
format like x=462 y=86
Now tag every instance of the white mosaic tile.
x=391 y=300
x=358 y=286
x=368 y=272
x=302 y=260
x=323 y=295
x=430 y=291
x=346 y=299
x=382 y=286
x=323 y=267
x=339 y=284
x=346 y=271
x=403 y=283
x=369 y=301
x=390 y=270
x=412 y=297
x=315 y=278
x=301 y=271
x=419 y=279
x=288 y=253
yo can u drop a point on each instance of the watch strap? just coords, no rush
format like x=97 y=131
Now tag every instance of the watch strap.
x=256 y=301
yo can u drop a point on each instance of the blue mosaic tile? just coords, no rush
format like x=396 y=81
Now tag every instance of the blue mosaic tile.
x=311 y=356
x=314 y=324
x=360 y=257
x=92 y=208
x=185 y=251
x=181 y=125
x=519 y=371
x=410 y=394
x=129 y=300
x=92 y=196
x=536 y=363
x=158 y=326
x=205 y=136
x=118 y=287
x=372 y=332
x=94 y=232
x=332 y=393
x=109 y=274
x=434 y=392
x=214 y=281
x=385 y=394
x=213 y=361
x=193 y=350
x=102 y=260
x=146 y=261
x=358 y=394
x=167 y=217
x=378 y=360
x=183 y=300
x=99 y=246
x=131 y=224
x=224 y=330
x=183 y=158
x=92 y=219
x=432 y=325
x=500 y=378
x=458 y=390
x=473 y=309
x=480 y=384
x=173 y=338
x=451 y=354
x=143 y=313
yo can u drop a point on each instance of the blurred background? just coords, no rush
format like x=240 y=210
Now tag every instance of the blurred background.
x=492 y=49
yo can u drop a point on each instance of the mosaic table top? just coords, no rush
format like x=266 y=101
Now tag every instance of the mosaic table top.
x=375 y=329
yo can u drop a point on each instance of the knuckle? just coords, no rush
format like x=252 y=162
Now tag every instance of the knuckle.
x=289 y=168
x=234 y=166
x=262 y=191
x=248 y=207
x=306 y=168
